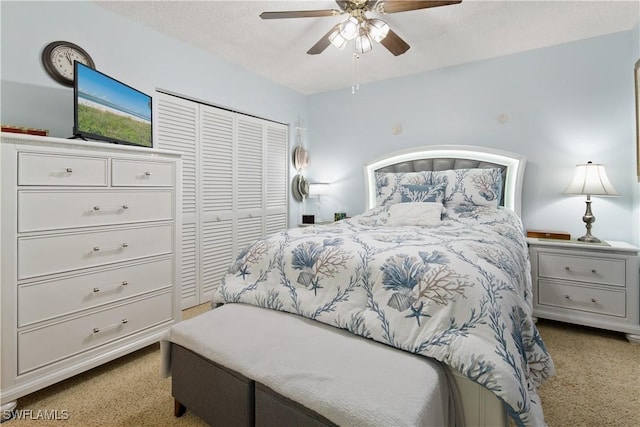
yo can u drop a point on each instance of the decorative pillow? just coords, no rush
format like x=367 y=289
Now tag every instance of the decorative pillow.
x=422 y=193
x=415 y=213
x=389 y=185
x=477 y=187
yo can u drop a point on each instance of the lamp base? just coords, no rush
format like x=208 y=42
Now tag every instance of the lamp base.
x=589 y=239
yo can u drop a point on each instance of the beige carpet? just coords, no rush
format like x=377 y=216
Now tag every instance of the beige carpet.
x=597 y=384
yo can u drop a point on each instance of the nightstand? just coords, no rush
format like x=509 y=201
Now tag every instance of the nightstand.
x=588 y=284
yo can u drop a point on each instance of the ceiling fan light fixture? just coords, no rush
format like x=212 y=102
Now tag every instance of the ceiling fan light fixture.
x=363 y=43
x=337 y=40
x=378 y=29
x=349 y=29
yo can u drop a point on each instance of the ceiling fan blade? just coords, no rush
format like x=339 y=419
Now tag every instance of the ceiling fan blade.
x=300 y=14
x=391 y=6
x=394 y=43
x=323 y=43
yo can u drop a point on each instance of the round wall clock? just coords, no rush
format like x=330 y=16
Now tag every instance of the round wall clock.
x=58 y=57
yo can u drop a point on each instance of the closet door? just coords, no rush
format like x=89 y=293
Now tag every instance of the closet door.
x=250 y=193
x=235 y=182
x=216 y=184
x=176 y=128
x=276 y=178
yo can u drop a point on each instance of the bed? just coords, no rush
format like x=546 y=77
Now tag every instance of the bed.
x=415 y=312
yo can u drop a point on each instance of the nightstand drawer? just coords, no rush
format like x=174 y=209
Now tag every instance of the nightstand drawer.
x=51 y=169
x=583 y=298
x=128 y=173
x=603 y=271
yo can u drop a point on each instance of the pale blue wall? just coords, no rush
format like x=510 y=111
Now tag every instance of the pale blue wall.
x=129 y=52
x=566 y=105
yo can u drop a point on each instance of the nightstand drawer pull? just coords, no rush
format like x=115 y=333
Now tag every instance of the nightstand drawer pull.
x=112 y=326
x=569 y=269
x=118 y=286
x=568 y=298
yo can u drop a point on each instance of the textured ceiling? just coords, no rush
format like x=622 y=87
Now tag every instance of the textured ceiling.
x=439 y=37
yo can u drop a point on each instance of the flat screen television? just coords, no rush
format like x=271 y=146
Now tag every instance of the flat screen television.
x=108 y=110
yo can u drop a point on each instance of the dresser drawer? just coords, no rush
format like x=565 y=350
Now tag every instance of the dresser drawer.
x=50 y=210
x=45 y=300
x=129 y=173
x=590 y=269
x=611 y=302
x=52 y=169
x=57 y=253
x=42 y=346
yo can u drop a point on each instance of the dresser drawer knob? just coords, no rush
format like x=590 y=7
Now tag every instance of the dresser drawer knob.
x=593 y=300
x=125 y=207
x=96 y=248
x=125 y=245
x=96 y=208
x=118 y=286
x=567 y=297
x=147 y=173
x=112 y=326
x=69 y=170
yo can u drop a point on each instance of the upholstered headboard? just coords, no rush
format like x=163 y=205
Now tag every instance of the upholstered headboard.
x=444 y=157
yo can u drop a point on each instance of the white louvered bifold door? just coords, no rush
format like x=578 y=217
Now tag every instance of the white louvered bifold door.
x=176 y=128
x=216 y=155
x=276 y=177
x=249 y=180
x=235 y=185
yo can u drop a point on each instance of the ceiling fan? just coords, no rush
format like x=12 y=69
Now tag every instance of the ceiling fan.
x=357 y=26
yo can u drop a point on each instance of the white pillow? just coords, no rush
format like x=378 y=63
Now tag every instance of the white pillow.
x=422 y=214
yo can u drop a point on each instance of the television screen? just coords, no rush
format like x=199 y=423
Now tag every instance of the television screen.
x=108 y=110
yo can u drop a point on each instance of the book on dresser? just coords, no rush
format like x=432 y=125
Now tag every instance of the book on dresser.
x=89 y=244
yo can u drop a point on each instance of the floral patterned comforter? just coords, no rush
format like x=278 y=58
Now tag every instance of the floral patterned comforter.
x=459 y=292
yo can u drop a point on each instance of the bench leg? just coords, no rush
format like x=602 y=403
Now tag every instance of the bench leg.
x=178 y=408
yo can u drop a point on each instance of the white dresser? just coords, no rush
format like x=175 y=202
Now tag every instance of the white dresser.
x=88 y=244
x=588 y=284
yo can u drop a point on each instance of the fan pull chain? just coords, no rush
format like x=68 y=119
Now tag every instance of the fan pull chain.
x=355 y=67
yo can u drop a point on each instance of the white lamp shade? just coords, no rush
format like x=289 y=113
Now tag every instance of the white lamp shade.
x=337 y=40
x=591 y=179
x=317 y=189
x=349 y=28
x=378 y=29
x=363 y=43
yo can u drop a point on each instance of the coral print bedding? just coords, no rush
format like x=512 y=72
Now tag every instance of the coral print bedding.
x=455 y=288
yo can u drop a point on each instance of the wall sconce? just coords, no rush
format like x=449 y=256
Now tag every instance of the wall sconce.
x=590 y=180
